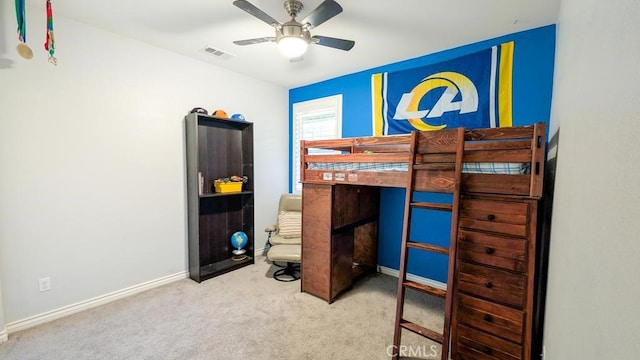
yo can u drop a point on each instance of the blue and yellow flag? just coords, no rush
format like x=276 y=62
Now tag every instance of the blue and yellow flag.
x=473 y=91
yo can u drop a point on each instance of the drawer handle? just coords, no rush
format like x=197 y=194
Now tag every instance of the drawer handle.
x=487 y=350
x=491 y=217
x=489 y=284
x=488 y=318
x=489 y=250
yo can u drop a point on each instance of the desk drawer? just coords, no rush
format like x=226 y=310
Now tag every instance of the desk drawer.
x=496 y=216
x=492 y=284
x=503 y=252
x=476 y=345
x=498 y=320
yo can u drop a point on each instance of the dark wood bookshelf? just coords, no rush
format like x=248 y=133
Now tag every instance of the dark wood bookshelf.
x=218 y=148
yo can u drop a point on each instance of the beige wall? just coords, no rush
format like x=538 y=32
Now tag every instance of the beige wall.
x=92 y=182
x=3 y=329
x=594 y=286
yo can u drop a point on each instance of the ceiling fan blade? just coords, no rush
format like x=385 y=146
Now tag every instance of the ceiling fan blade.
x=255 y=41
x=341 y=44
x=251 y=9
x=322 y=13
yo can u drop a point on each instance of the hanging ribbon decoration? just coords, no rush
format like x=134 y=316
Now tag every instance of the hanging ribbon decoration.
x=22 y=47
x=49 y=45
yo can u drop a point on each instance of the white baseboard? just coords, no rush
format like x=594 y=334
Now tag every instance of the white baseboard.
x=412 y=277
x=4 y=336
x=90 y=303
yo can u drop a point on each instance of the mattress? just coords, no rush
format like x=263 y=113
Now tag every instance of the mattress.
x=368 y=166
x=471 y=168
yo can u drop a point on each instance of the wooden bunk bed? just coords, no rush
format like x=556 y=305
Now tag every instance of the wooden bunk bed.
x=501 y=184
x=505 y=161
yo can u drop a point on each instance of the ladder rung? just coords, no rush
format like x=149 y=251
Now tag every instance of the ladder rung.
x=423 y=331
x=428 y=247
x=426 y=288
x=435 y=166
x=432 y=206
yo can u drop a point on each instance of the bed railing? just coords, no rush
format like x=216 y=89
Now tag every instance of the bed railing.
x=507 y=161
x=376 y=155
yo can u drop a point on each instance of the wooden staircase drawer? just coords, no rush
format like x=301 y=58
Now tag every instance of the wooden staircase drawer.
x=499 y=320
x=503 y=252
x=496 y=216
x=476 y=345
x=492 y=284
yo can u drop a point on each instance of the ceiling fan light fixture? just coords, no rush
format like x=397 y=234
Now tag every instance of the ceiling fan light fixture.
x=293 y=37
x=292 y=46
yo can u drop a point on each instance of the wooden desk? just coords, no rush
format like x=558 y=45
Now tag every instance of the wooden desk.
x=340 y=236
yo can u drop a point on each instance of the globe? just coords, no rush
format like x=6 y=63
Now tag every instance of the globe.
x=239 y=240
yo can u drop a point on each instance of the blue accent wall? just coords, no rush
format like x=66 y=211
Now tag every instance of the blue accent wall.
x=532 y=85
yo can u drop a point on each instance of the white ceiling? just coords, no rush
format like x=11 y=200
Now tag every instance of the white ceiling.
x=385 y=31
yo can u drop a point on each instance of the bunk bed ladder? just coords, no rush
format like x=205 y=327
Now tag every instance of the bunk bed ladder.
x=435 y=167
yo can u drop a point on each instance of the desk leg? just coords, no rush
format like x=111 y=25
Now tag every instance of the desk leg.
x=316 y=240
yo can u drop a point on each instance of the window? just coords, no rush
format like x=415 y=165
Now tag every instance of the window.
x=317 y=119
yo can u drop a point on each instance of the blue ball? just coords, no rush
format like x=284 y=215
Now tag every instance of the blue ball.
x=238 y=117
x=239 y=239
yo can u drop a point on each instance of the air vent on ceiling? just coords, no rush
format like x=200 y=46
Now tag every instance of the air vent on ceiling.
x=217 y=53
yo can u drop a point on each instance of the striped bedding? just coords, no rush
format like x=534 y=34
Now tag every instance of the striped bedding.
x=471 y=168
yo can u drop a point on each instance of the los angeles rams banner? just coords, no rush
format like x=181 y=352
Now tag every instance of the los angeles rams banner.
x=473 y=91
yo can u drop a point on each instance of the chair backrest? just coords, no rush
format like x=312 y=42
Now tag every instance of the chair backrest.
x=289 y=211
x=290 y=202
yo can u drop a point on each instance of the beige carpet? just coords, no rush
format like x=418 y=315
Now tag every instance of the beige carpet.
x=244 y=314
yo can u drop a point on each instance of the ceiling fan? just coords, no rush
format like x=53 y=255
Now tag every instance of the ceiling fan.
x=293 y=37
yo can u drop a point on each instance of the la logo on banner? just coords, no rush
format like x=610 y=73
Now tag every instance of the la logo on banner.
x=453 y=83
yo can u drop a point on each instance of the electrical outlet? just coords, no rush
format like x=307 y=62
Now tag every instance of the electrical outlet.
x=45 y=284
